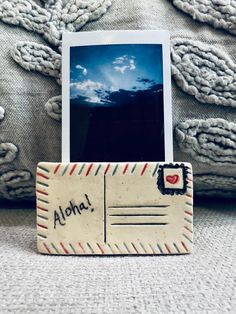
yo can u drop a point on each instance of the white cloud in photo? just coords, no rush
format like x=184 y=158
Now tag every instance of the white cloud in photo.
x=94 y=99
x=121 y=69
x=87 y=85
x=84 y=71
x=124 y=63
x=132 y=65
x=94 y=92
x=119 y=60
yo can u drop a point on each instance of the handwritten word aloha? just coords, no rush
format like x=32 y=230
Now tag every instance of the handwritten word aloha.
x=61 y=215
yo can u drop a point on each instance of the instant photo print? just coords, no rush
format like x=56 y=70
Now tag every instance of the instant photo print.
x=116 y=96
x=114 y=208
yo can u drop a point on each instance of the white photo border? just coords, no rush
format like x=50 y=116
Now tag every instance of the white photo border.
x=112 y=38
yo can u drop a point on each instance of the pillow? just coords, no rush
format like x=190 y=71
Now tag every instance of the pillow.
x=203 y=70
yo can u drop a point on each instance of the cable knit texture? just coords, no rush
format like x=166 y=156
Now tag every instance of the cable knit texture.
x=30 y=103
x=35 y=57
x=57 y=16
x=8 y=152
x=53 y=107
x=212 y=184
x=204 y=72
x=12 y=178
x=211 y=141
x=218 y=13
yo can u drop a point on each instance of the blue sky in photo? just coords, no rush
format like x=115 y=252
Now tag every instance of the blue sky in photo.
x=97 y=71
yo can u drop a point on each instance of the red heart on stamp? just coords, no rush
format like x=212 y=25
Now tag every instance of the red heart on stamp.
x=172 y=179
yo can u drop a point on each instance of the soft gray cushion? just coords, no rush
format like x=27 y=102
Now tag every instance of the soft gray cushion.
x=204 y=88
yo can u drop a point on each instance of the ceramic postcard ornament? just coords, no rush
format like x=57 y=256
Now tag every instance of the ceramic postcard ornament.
x=114 y=208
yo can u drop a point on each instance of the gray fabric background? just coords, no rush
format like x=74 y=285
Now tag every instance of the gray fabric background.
x=203 y=282
x=23 y=94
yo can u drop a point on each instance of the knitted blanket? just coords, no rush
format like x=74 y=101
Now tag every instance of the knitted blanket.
x=203 y=70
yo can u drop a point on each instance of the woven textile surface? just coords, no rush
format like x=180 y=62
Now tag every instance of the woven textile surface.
x=203 y=70
x=203 y=282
